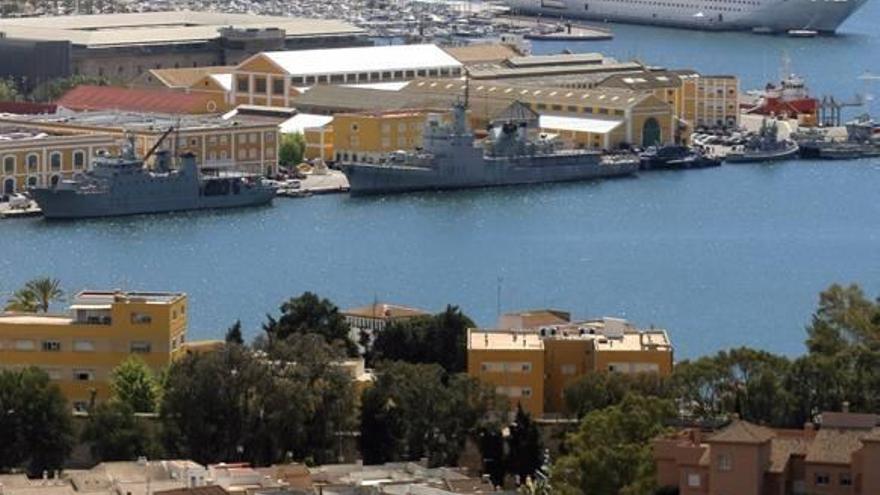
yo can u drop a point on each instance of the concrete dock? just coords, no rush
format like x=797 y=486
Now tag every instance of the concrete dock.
x=572 y=30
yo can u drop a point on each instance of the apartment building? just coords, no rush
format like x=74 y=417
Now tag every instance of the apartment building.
x=101 y=329
x=837 y=456
x=533 y=365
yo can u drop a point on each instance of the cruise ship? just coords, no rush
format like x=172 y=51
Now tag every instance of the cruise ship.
x=766 y=16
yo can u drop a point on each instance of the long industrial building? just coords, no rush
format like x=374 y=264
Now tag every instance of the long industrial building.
x=123 y=46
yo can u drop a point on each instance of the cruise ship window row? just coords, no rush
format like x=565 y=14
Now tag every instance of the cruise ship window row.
x=686 y=6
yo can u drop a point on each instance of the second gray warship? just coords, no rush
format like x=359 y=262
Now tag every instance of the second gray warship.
x=451 y=159
x=124 y=186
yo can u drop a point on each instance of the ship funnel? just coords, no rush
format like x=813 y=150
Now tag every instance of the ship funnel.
x=188 y=163
x=162 y=163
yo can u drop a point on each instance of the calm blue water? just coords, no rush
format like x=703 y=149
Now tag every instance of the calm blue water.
x=722 y=257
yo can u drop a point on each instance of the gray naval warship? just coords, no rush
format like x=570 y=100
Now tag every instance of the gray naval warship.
x=451 y=159
x=122 y=185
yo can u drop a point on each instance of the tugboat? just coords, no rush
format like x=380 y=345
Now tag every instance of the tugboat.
x=450 y=158
x=764 y=147
x=124 y=186
x=675 y=157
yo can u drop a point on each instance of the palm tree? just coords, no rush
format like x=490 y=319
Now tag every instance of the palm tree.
x=22 y=301
x=45 y=291
x=36 y=295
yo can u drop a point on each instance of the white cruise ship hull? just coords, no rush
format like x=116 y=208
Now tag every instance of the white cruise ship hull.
x=759 y=15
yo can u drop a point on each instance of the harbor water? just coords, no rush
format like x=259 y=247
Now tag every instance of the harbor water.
x=721 y=257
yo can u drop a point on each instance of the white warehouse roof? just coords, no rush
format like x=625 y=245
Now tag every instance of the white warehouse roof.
x=362 y=59
x=578 y=124
x=302 y=121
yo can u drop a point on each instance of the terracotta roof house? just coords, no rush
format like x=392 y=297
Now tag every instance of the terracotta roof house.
x=96 y=98
x=839 y=456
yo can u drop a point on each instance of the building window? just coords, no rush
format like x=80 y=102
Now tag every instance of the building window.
x=32 y=162
x=32 y=181
x=24 y=345
x=51 y=346
x=526 y=392
x=54 y=374
x=724 y=462
x=141 y=347
x=83 y=345
x=568 y=369
x=823 y=479
x=252 y=137
x=141 y=319
x=9 y=165
x=242 y=84
x=278 y=86
x=845 y=479
x=694 y=480
x=79 y=159
x=83 y=375
x=259 y=85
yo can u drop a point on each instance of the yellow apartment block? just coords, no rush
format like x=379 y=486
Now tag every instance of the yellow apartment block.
x=710 y=101
x=368 y=136
x=79 y=350
x=533 y=366
x=217 y=143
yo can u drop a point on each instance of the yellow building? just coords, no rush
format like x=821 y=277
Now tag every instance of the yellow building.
x=585 y=118
x=534 y=365
x=710 y=101
x=275 y=78
x=214 y=82
x=368 y=136
x=32 y=158
x=79 y=350
x=245 y=145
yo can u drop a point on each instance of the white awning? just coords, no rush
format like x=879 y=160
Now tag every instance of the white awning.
x=302 y=121
x=578 y=124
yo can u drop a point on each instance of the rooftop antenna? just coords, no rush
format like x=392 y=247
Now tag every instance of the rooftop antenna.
x=498 y=298
x=467 y=88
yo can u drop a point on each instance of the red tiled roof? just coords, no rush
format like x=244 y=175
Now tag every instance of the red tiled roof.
x=26 y=107
x=87 y=97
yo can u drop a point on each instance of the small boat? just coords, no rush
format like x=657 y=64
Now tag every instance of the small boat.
x=675 y=158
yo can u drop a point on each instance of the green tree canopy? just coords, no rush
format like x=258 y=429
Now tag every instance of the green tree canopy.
x=599 y=390
x=8 y=90
x=310 y=314
x=134 y=384
x=233 y=334
x=844 y=318
x=35 y=422
x=287 y=402
x=291 y=149
x=117 y=434
x=610 y=454
x=526 y=450
x=418 y=410
x=440 y=339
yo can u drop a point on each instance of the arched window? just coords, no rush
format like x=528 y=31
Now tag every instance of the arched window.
x=55 y=160
x=9 y=165
x=33 y=162
x=79 y=159
x=32 y=181
x=54 y=180
x=9 y=186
